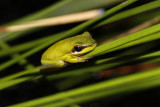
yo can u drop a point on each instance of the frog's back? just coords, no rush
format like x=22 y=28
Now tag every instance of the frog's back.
x=56 y=51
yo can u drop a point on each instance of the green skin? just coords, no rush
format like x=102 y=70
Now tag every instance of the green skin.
x=62 y=52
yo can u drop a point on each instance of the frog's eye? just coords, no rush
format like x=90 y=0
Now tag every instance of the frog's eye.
x=77 y=48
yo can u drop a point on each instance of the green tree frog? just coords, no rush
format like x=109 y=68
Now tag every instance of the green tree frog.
x=70 y=50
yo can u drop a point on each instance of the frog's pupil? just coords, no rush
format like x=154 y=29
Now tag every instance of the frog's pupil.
x=77 y=48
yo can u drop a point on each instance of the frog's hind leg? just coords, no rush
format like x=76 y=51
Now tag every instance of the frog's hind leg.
x=51 y=65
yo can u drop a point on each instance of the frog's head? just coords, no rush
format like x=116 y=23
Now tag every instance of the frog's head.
x=83 y=43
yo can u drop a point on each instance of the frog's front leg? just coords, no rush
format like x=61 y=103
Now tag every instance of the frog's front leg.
x=74 y=59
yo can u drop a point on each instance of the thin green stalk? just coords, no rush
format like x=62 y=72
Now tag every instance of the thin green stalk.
x=155 y=60
x=82 y=71
x=109 y=47
x=149 y=55
x=93 y=88
x=16 y=75
x=22 y=61
x=52 y=104
x=7 y=84
x=149 y=38
x=8 y=81
x=74 y=105
x=26 y=46
x=145 y=39
x=130 y=12
x=72 y=81
x=106 y=93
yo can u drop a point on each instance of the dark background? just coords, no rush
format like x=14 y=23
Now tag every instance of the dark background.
x=14 y=9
